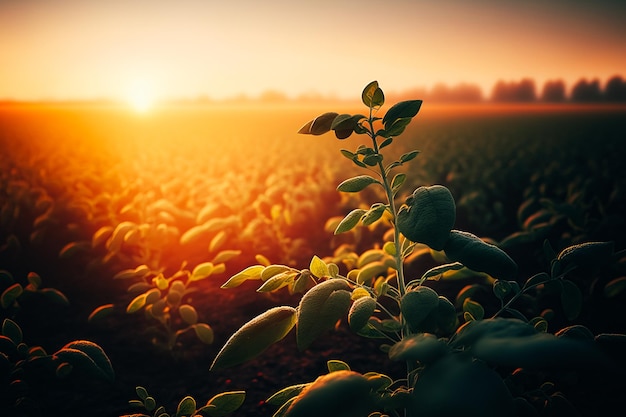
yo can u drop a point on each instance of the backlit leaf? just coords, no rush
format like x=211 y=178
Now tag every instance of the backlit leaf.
x=329 y=394
x=350 y=221
x=136 y=304
x=372 y=96
x=101 y=312
x=285 y=394
x=11 y=330
x=320 y=125
x=320 y=308
x=188 y=314
x=335 y=365
x=356 y=184
x=225 y=256
x=587 y=254
x=250 y=273
x=202 y=271
x=204 y=332
x=360 y=312
x=256 y=336
x=186 y=407
x=223 y=404
x=318 y=267
x=10 y=295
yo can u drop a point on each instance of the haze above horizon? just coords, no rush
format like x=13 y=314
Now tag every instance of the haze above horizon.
x=148 y=50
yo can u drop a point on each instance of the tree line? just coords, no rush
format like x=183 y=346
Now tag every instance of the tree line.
x=614 y=90
x=526 y=90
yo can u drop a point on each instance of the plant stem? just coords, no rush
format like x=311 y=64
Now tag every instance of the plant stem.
x=406 y=331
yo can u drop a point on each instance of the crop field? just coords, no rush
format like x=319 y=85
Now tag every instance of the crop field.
x=101 y=209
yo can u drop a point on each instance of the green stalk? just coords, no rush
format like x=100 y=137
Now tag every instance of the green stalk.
x=406 y=331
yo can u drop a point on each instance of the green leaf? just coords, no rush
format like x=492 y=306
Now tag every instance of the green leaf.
x=428 y=216
x=320 y=309
x=186 y=407
x=225 y=256
x=350 y=221
x=373 y=159
x=136 y=304
x=223 y=404
x=96 y=353
x=334 y=393
x=101 y=312
x=150 y=403
x=501 y=288
x=188 y=314
x=386 y=142
x=589 y=254
x=417 y=304
x=571 y=299
x=438 y=270
x=318 y=267
x=278 y=281
x=285 y=394
x=360 y=312
x=256 y=336
x=250 y=273
x=514 y=343
x=10 y=295
x=372 y=95
x=142 y=393
x=478 y=255
x=402 y=110
x=356 y=184
x=334 y=365
x=398 y=127
x=88 y=357
x=348 y=154
x=373 y=214
x=202 y=271
x=408 y=156
x=423 y=347
x=204 y=333
x=475 y=309
x=397 y=182
x=55 y=296
x=320 y=125
x=11 y=330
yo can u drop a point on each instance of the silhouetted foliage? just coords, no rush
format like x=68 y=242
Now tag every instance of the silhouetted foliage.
x=523 y=90
x=585 y=90
x=553 y=91
x=615 y=89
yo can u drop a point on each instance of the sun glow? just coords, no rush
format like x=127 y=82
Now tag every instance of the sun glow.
x=141 y=97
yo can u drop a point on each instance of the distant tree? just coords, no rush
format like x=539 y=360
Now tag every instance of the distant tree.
x=463 y=92
x=523 y=90
x=553 y=91
x=615 y=89
x=586 y=91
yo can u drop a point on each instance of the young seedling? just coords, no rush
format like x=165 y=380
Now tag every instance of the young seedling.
x=450 y=355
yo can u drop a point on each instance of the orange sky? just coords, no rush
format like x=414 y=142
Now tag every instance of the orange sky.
x=80 y=49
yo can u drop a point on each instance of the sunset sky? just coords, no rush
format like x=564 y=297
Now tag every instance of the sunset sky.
x=82 y=49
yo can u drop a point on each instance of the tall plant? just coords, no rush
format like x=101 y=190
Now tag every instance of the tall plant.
x=447 y=352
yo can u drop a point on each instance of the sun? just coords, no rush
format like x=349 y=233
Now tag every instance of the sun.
x=140 y=96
